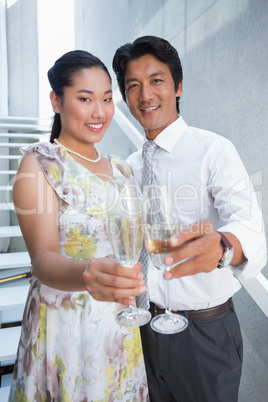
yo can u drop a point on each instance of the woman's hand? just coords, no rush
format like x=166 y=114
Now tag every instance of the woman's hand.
x=106 y=280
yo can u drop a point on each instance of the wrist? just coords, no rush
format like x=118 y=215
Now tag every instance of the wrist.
x=79 y=269
x=228 y=252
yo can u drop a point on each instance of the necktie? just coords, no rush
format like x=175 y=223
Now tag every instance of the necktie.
x=148 y=153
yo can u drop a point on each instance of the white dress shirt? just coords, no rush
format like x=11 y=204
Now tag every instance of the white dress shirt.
x=207 y=180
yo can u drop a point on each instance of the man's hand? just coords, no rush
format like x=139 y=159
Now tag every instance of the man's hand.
x=107 y=280
x=199 y=245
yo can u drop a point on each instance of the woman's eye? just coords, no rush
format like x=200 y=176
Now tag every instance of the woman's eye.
x=108 y=100
x=85 y=99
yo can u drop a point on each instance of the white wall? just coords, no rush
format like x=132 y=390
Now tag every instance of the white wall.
x=55 y=37
x=4 y=215
x=38 y=32
x=22 y=51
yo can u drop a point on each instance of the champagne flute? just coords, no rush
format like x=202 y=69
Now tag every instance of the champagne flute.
x=159 y=226
x=124 y=225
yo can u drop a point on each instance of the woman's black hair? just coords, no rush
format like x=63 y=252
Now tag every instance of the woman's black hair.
x=61 y=76
x=159 y=48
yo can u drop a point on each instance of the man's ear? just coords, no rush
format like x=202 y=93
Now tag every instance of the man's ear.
x=55 y=102
x=179 y=90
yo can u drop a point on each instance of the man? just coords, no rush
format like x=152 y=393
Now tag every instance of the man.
x=222 y=232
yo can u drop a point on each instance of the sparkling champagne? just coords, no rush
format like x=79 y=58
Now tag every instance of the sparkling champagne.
x=156 y=243
x=125 y=235
x=124 y=226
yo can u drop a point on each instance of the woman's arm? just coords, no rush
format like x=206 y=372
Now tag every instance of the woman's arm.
x=37 y=210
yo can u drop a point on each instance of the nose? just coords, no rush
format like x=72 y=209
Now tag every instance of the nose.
x=97 y=111
x=145 y=93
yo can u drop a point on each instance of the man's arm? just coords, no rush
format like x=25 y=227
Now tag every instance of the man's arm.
x=240 y=218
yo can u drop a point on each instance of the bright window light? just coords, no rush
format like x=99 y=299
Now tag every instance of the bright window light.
x=55 y=37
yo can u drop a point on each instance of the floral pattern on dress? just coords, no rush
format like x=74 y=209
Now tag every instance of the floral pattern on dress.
x=79 y=245
x=71 y=348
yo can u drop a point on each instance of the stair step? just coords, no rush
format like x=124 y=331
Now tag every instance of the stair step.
x=12 y=317
x=15 y=260
x=13 y=297
x=9 y=340
x=6 y=188
x=2 y=157
x=14 y=277
x=7 y=206
x=27 y=127
x=23 y=135
x=10 y=231
x=4 y=394
x=11 y=144
x=8 y=171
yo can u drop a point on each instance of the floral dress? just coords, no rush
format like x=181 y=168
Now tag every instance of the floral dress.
x=71 y=348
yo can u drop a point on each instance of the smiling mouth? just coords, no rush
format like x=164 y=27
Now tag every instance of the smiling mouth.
x=95 y=126
x=149 y=109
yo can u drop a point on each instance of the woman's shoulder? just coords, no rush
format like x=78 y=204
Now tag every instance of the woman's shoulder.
x=28 y=163
x=33 y=153
x=44 y=148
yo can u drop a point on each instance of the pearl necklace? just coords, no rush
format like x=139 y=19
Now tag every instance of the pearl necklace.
x=79 y=155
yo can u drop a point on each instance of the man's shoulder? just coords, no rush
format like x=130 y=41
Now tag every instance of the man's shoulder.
x=203 y=133
x=205 y=137
x=135 y=157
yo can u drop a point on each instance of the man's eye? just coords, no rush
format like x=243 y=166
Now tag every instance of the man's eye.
x=132 y=86
x=157 y=80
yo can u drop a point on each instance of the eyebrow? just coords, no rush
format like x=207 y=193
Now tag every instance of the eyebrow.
x=160 y=72
x=109 y=91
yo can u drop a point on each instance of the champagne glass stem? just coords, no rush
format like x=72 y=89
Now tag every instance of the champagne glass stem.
x=167 y=298
x=132 y=309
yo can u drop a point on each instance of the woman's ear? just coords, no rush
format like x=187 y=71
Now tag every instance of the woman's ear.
x=179 y=90
x=55 y=101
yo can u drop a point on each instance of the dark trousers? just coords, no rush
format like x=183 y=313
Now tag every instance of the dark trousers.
x=201 y=364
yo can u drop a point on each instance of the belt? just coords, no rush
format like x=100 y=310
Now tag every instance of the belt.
x=192 y=315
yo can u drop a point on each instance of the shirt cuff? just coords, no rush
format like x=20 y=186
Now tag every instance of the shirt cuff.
x=253 y=244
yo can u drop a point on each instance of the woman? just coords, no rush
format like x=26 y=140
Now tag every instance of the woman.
x=71 y=349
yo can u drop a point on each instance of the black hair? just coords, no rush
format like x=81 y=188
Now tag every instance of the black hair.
x=61 y=76
x=158 y=47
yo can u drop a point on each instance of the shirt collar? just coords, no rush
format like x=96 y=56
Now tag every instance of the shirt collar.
x=168 y=137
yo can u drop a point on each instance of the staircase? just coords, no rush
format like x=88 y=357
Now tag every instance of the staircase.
x=14 y=265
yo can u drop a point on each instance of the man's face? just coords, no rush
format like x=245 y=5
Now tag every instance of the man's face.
x=150 y=94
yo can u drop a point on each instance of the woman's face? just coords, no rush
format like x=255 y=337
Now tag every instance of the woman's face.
x=86 y=109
